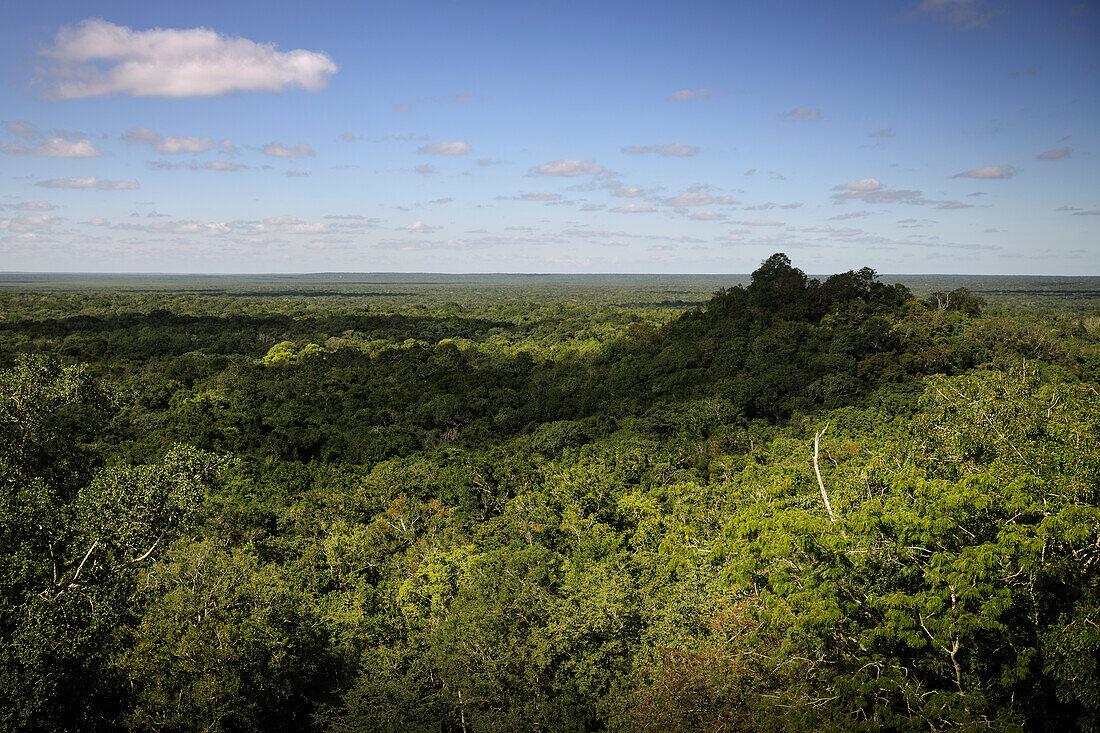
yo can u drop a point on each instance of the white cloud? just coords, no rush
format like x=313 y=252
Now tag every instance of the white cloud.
x=1055 y=154
x=801 y=113
x=633 y=209
x=861 y=184
x=278 y=150
x=884 y=132
x=88 y=182
x=419 y=226
x=458 y=147
x=289 y=225
x=690 y=198
x=678 y=150
x=29 y=223
x=96 y=58
x=297 y=174
x=707 y=215
x=167 y=227
x=540 y=196
x=685 y=95
x=569 y=167
x=426 y=170
x=175 y=144
x=57 y=147
x=989 y=171
x=759 y=223
x=1092 y=212
x=628 y=193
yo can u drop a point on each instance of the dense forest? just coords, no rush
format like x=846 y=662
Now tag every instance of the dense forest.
x=805 y=504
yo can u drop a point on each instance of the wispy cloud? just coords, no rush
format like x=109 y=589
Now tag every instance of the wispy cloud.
x=209 y=229
x=169 y=145
x=569 y=168
x=539 y=196
x=56 y=147
x=278 y=150
x=706 y=215
x=802 y=113
x=426 y=169
x=1055 y=154
x=221 y=166
x=23 y=129
x=628 y=192
x=29 y=223
x=460 y=98
x=686 y=95
x=988 y=171
x=458 y=147
x=873 y=191
x=633 y=209
x=420 y=227
x=289 y=225
x=97 y=58
x=88 y=182
x=961 y=14
x=690 y=198
x=884 y=132
x=678 y=150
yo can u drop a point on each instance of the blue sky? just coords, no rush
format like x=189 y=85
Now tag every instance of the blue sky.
x=955 y=136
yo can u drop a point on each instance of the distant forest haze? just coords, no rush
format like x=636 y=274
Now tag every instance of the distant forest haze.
x=495 y=503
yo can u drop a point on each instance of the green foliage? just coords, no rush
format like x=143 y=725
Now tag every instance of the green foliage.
x=566 y=505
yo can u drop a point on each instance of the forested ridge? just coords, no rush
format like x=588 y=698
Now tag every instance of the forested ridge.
x=275 y=513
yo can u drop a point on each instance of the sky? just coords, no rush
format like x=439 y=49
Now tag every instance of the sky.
x=917 y=136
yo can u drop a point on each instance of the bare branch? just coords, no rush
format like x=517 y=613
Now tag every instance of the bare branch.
x=817 y=470
x=81 y=566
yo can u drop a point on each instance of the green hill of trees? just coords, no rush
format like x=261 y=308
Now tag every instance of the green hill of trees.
x=804 y=505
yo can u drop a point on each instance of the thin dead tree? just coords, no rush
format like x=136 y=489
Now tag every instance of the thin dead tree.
x=817 y=470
